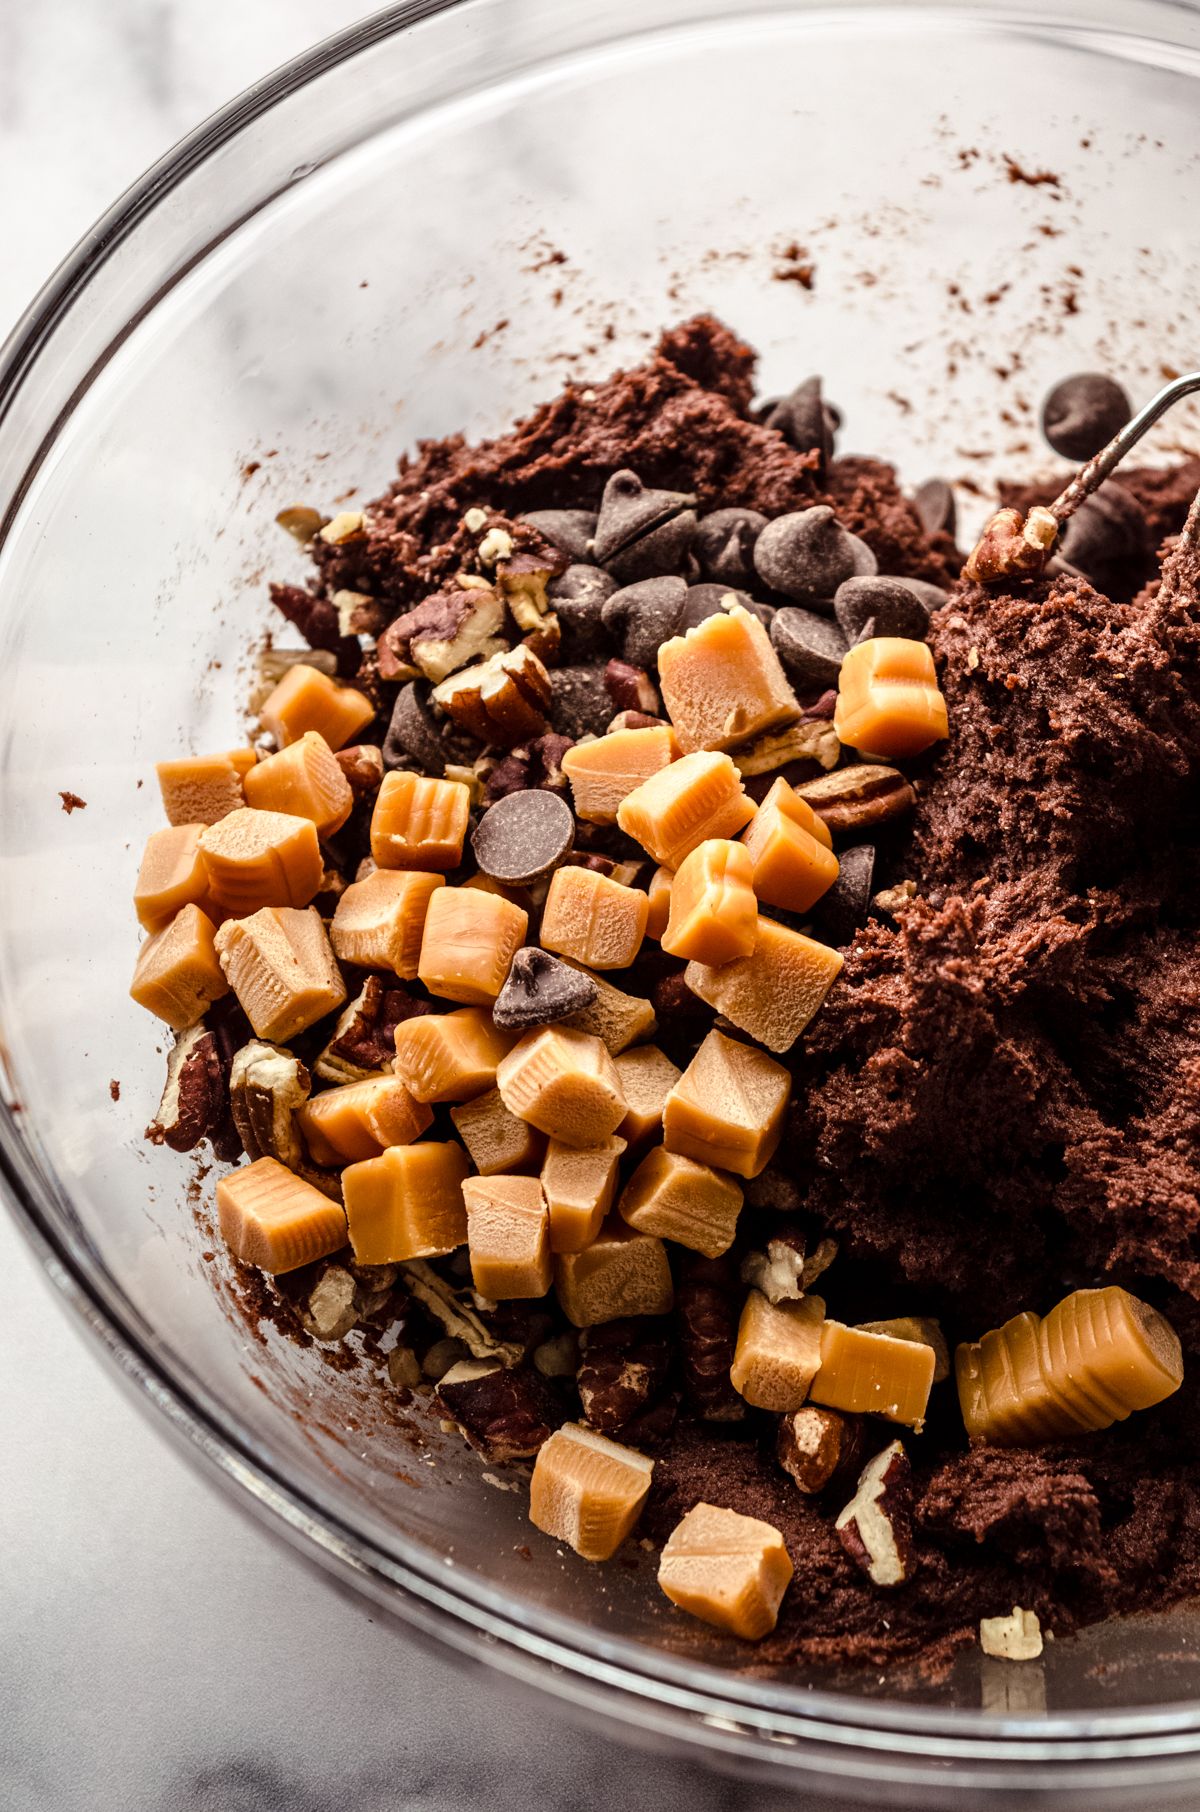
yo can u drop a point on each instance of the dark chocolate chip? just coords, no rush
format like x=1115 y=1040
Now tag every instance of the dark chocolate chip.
x=895 y=609
x=724 y=545
x=541 y=990
x=808 y=554
x=642 y=617
x=629 y=512
x=805 y=422
x=866 y=634
x=811 y=648
x=416 y=735
x=523 y=836
x=580 y=706
x=666 y=549
x=846 y=905
x=704 y=601
x=569 y=530
x=1082 y=414
x=578 y=600
x=936 y=507
x=1107 y=538
x=931 y=596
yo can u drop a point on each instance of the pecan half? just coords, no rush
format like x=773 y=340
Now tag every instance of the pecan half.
x=195 y=1101
x=875 y=1528
x=444 y=633
x=820 y=1447
x=266 y=1086
x=504 y=700
x=708 y=1302
x=622 y=1366
x=854 y=798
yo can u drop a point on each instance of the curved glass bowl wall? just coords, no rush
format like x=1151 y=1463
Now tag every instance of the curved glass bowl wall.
x=428 y=224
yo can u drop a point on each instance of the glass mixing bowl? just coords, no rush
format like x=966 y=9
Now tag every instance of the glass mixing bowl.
x=426 y=224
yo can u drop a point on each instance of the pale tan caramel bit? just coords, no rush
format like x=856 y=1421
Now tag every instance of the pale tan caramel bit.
x=498 y=1142
x=177 y=975
x=407 y=1203
x=359 y=1120
x=778 y=1351
x=270 y=1218
x=379 y=922
x=171 y=877
x=660 y=902
x=419 y=823
x=587 y=1491
x=727 y=1108
x=450 y=1056
x=200 y=789
x=508 y=1232
x=714 y=914
x=722 y=683
x=563 y=1082
x=774 y=992
x=727 y=1569
x=647 y=1078
x=791 y=849
x=256 y=859
x=616 y=1019
x=623 y=1272
x=677 y=1199
x=282 y=969
x=304 y=779
x=469 y=942
x=604 y=772
x=874 y=1374
x=306 y=699
x=593 y=919
x=678 y=809
x=580 y=1188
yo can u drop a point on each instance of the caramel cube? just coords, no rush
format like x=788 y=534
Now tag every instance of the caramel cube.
x=792 y=866
x=587 y=1491
x=594 y=919
x=580 y=1188
x=778 y=1352
x=874 y=1374
x=419 y=823
x=508 y=1232
x=774 y=992
x=604 y=772
x=660 y=902
x=359 y=1120
x=305 y=780
x=256 y=859
x=714 y=914
x=280 y=966
x=727 y=1108
x=563 y=1082
x=450 y=1056
x=177 y=975
x=407 y=1203
x=671 y=1196
x=722 y=683
x=616 y=1019
x=171 y=877
x=623 y=1272
x=786 y=799
x=271 y=1218
x=468 y=944
x=306 y=699
x=888 y=700
x=498 y=1142
x=379 y=922
x=200 y=789
x=727 y=1569
x=679 y=808
x=647 y=1078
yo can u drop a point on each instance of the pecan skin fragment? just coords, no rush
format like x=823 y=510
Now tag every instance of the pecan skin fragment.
x=503 y=1414
x=875 y=1528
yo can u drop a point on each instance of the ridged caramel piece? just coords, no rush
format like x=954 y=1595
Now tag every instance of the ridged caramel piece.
x=722 y=683
x=778 y=1352
x=791 y=866
x=407 y=1203
x=647 y=1077
x=874 y=1374
x=508 y=1233
x=616 y=1019
x=450 y=1056
x=660 y=902
x=587 y=1491
x=379 y=922
x=727 y=1108
x=786 y=799
x=282 y=969
x=1095 y=1358
x=177 y=975
x=888 y=700
x=563 y=1082
x=271 y=1218
x=419 y=823
x=675 y=811
x=305 y=780
x=580 y=1187
x=255 y=859
x=359 y=1120
x=677 y=1199
x=727 y=1569
x=306 y=699
x=594 y=919
x=623 y=1272
x=498 y=1142
x=714 y=914
x=605 y=771
x=171 y=877
x=468 y=944
x=200 y=789
x=776 y=991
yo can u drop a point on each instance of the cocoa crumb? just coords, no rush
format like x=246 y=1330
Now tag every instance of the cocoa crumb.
x=71 y=802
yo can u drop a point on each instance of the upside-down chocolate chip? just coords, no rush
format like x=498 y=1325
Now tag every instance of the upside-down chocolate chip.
x=641 y=533
x=569 y=530
x=811 y=648
x=523 y=836
x=1082 y=414
x=806 y=422
x=578 y=599
x=580 y=705
x=847 y=904
x=641 y=617
x=896 y=611
x=724 y=545
x=808 y=554
x=540 y=990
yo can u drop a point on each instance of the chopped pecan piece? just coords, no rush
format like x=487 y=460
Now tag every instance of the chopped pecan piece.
x=363 y=767
x=364 y=1040
x=875 y=1528
x=708 y=1301
x=635 y=720
x=444 y=633
x=545 y=640
x=779 y=1271
x=317 y=620
x=631 y=688
x=503 y=1414
x=622 y=1366
x=813 y=739
x=820 y=1447
x=195 y=1101
x=503 y=700
x=266 y=1086
x=450 y=1309
x=854 y=798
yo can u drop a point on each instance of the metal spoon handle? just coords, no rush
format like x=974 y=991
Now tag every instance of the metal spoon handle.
x=1091 y=476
